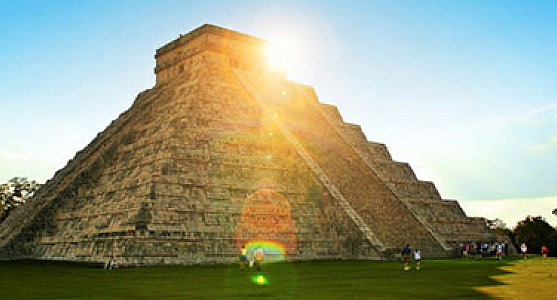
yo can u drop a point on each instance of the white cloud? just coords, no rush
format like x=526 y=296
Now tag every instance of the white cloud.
x=534 y=116
x=513 y=210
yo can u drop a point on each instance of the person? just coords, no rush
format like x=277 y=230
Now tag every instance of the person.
x=418 y=259
x=243 y=257
x=109 y=265
x=478 y=250
x=499 y=251
x=544 y=251
x=465 y=251
x=472 y=249
x=406 y=257
x=258 y=255
x=506 y=247
x=493 y=248
x=251 y=258
x=524 y=250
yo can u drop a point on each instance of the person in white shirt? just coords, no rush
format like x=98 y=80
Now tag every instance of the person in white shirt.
x=418 y=259
x=524 y=250
x=258 y=256
x=499 y=251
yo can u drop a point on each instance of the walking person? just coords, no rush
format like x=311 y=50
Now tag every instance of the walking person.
x=524 y=250
x=545 y=250
x=258 y=258
x=418 y=259
x=499 y=251
x=406 y=257
x=251 y=259
x=472 y=249
x=243 y=257
x=109 y=265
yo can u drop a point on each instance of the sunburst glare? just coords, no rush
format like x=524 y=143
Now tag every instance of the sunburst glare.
x=282 y=55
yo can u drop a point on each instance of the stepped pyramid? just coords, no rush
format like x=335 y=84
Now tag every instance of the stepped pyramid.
x=223 y=153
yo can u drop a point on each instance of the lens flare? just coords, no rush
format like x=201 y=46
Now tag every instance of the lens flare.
x=260 y=280
x=273 y=251
x=279 y=56
x=266 y=223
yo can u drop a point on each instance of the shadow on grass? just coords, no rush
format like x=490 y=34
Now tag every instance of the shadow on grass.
x=438 y=279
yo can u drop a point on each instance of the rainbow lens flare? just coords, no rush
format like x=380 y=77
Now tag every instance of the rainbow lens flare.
x=259 y=279
x=266 y=223
x=273 y=251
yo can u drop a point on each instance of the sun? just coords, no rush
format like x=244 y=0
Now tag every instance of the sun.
x=281 y=55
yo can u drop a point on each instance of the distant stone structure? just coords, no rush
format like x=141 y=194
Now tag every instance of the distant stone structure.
x=222 y=153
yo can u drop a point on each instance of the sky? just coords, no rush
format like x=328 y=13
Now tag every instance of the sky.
x=464 y=91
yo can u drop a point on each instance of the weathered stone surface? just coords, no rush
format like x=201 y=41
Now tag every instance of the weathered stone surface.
x=170 y=180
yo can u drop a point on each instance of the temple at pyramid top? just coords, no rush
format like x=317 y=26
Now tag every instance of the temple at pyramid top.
x=245 y=51
x=222 y=154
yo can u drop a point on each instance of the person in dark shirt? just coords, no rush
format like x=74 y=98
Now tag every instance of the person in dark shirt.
x=406 y=257
x=243 y=257
x=478 y=250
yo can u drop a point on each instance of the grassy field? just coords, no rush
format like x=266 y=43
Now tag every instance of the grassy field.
x=531 y=279
x=438 y=279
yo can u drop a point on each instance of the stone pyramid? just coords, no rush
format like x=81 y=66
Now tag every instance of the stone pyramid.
x=223 y=153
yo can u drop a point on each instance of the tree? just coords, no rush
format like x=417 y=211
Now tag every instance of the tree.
x=535 y=232
x=15 y=192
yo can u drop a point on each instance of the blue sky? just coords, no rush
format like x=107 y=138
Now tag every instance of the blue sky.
x=465 y=91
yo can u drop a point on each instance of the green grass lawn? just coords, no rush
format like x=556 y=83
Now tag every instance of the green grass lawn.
x=438 y=279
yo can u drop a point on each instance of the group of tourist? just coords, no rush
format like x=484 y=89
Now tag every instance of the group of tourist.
x=524 y=251
x=407 y=253
x=482 y=249
x=475 y=249
x=254 y=259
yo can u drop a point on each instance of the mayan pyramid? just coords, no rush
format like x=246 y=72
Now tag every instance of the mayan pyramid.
x=223 y=153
